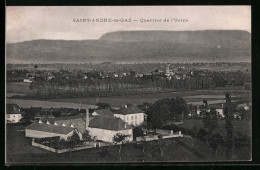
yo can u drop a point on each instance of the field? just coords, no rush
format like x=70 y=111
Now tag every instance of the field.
x=47 y=104
x=214 y=96
x=191 y=97
x=242 y=127
x=18 y=88
x=173 y=150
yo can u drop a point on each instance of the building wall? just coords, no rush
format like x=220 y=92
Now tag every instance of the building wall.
x=40 y=134
x=220 y=112
x=13 y=118
x=107 y=135
x=94 y=114
x=136 y=119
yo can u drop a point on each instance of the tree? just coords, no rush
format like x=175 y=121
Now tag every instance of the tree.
x=120 y=138
x=137 y=131
x=73 y=140
x=210 y=120
x=166 y=110
x=228 y=112
x=74 y=137
x=86 y=136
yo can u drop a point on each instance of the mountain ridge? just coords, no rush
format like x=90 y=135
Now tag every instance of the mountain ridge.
x=139 y=46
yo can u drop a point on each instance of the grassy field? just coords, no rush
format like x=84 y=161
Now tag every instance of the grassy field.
x=242 y=127
x=19 y=150
x=48 y=104
x=18 y=88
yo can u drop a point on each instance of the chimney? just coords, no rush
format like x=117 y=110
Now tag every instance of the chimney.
x=87 y=118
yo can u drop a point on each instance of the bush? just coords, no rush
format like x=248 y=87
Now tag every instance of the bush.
x=137 y=132
x=201 y=135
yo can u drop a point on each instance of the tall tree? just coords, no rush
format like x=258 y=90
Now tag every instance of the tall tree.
x=228 y=112
x=210 y=120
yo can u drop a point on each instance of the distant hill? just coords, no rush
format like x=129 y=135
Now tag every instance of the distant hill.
x=139 y=46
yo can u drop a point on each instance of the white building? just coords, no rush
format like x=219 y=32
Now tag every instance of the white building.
x=13 y=113
x=61 y=126
x=132 y=115
x=105 y=128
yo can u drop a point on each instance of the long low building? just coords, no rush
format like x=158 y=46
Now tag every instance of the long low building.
x=42 y=130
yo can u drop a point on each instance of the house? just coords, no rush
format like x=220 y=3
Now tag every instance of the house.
x=103 y=112
x=132 y=115
x=43 y=130
x=245 y=106
x=13 y=113
x=29 y=80
x=61 y=126
x=105 y=128
x=50 y=76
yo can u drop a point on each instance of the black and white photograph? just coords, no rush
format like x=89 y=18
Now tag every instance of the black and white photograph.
x=128 y=84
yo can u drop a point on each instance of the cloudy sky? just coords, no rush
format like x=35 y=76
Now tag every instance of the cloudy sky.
x=30 y=23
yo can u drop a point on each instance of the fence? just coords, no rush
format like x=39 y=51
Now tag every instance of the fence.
x=147 y=138
x=86 y=146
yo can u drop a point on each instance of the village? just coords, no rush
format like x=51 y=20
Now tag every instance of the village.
x=68 y=111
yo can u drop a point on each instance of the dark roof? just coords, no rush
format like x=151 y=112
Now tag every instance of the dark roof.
x=104 y=112
x=109 y=123
x=50 y=128
x=13 y=109
x=77 y=121
x=129 y=110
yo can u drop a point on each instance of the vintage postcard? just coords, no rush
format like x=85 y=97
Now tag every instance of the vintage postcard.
x=128 y=84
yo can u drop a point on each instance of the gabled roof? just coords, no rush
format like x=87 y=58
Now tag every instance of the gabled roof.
x=50 y=128
x=108 y=123
x=104 y=112
x=129 y=110
x=13 y=109
x=77 y=121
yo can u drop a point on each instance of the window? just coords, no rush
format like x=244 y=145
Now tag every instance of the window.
x=126 y=117
x=132 y=117
x=8 y=116
x=135 y=122
x=135 y=117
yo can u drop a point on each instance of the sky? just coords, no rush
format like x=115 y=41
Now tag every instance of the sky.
x=35 y=22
